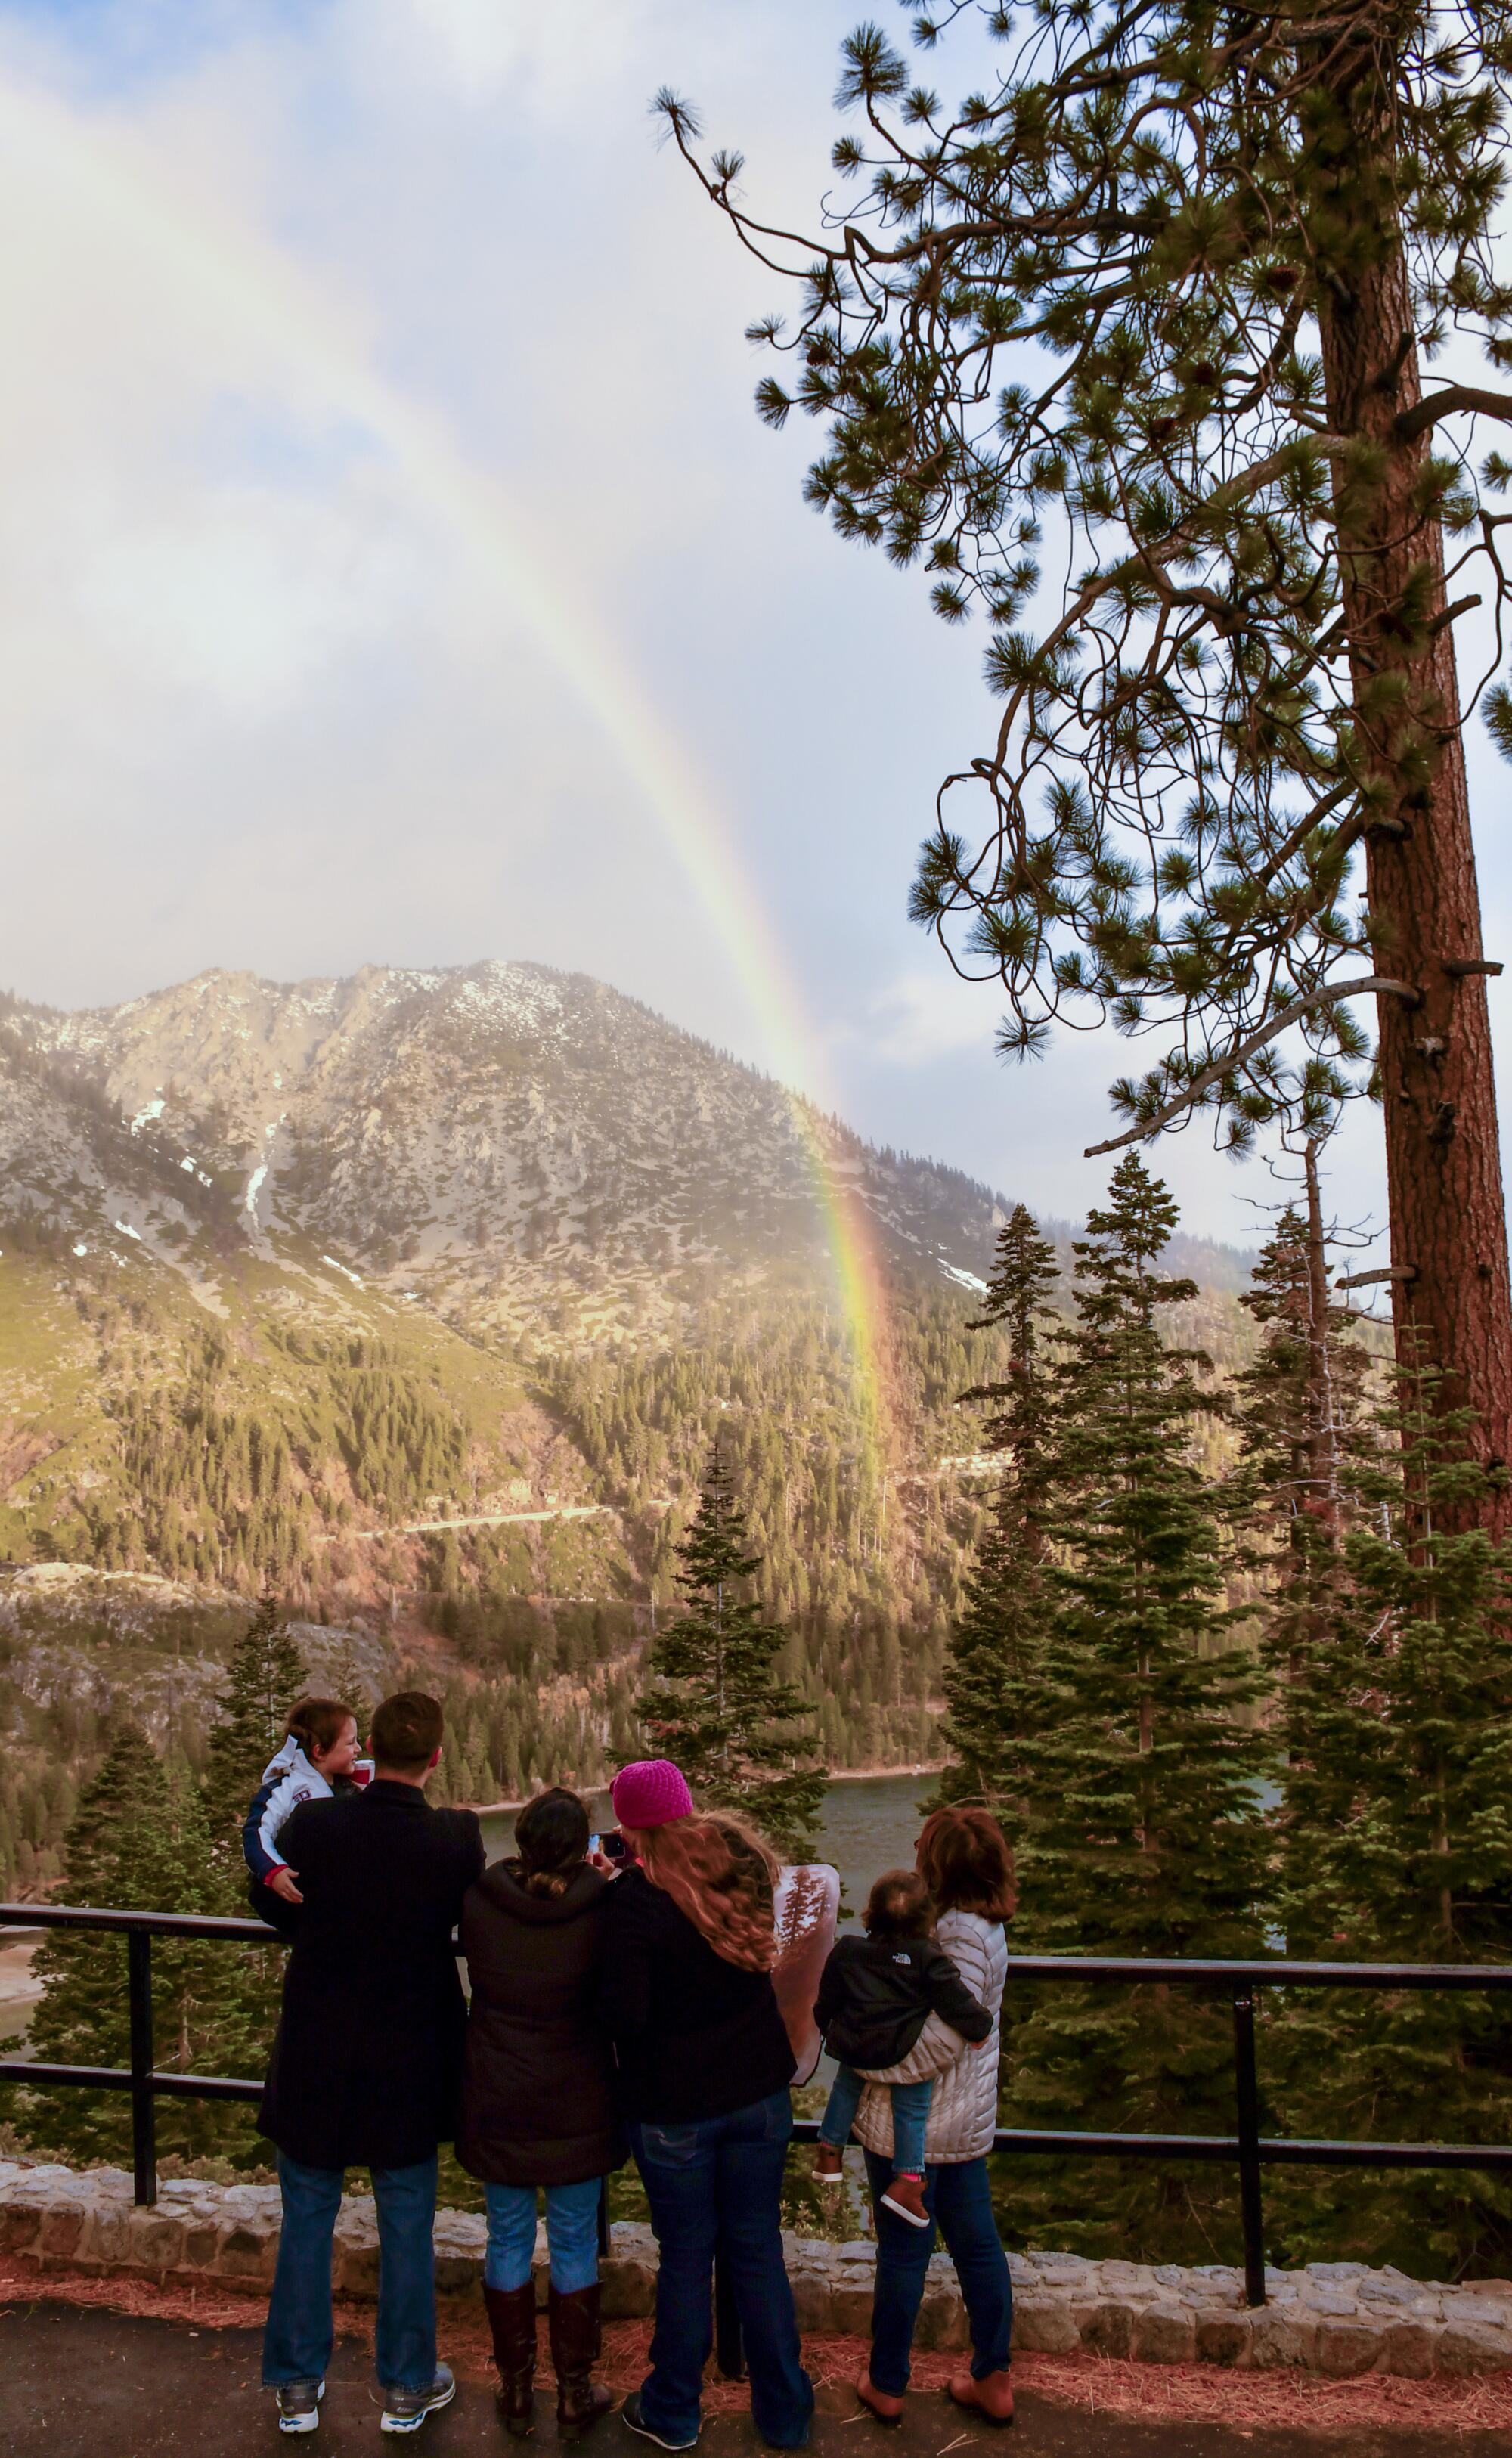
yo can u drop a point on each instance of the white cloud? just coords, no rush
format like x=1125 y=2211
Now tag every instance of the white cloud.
x=925 y=1016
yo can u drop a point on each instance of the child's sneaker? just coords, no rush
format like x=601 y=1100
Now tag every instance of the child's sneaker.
x=829 y=2165
x=905 y=2196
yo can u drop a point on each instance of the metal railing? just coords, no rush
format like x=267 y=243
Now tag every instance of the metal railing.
x=1246 y=2147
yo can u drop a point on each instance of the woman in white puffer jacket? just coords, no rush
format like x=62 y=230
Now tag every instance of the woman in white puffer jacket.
x=966 y=1864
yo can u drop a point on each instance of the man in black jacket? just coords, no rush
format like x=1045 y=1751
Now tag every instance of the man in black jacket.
x=365 y=2065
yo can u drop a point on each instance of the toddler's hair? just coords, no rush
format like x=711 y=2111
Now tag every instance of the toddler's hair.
x=318 y=1723
x=899 y=1904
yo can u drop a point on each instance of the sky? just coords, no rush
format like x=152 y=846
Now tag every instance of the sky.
x=393 y=569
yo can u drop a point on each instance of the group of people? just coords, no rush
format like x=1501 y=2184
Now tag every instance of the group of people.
x=617 y=2007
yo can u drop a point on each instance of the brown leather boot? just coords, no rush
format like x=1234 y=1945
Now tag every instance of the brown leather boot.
x=576 y=2338
x=511 y=2317
x=991 y=2397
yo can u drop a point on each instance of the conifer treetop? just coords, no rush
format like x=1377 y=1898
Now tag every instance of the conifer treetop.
x=713 y=1700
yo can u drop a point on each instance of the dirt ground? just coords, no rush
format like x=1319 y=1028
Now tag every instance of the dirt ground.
x=81 y=2376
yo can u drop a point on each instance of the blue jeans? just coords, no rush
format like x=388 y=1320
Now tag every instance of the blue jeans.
x=296 y=2342
x=960 y=2200
x=571 y=2231
x=910 y=2117
x=717 y=2186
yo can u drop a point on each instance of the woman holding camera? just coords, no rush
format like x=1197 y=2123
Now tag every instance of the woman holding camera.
x=704 y=2069
x=537 y=2106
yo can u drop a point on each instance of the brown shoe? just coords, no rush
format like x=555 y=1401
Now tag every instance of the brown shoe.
x=511 y=2317
x=992 y=2397
x=886 y=2408
x=905 y=2196
x=829 y=2165
x=576 y=2338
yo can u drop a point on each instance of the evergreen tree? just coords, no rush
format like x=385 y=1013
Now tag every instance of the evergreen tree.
x=1305 y=1439
x=265 y=1675
x=1398 y=1819
x=1144 y=1834
x=713 y=1700
x=140 y=1841
x=995 y=1699
x=350 y=1684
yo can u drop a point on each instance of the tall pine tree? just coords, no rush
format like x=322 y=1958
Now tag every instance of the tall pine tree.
x=1144 y=1834
x=713 y=1700
x=994 y=1690
x=140 y=1842
x=1399 y=1822
x=265 y=1675
x=1302 y=1408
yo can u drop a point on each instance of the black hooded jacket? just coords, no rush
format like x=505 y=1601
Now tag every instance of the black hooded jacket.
x=877 y=1994
x=537 y=2094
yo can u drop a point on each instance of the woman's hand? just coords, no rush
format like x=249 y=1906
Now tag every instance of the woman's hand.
x=282 y=1884
x=601 y=1862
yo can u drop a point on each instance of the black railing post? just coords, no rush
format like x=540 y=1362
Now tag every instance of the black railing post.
x=144 y=2119
x=1246 y=2092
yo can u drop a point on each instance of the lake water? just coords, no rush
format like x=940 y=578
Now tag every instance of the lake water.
x=870 y=1822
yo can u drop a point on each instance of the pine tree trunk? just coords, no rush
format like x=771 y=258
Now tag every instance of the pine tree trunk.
x=1448 y=1224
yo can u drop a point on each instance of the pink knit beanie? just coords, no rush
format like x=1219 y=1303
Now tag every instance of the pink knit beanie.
x=650 y=1792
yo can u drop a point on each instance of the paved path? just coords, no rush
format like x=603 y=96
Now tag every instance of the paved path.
x=81 y=2383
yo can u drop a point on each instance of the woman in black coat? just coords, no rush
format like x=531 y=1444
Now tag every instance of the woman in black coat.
x=537 y=2101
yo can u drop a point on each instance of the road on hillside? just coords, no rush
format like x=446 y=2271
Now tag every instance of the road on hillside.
x=79 y=2382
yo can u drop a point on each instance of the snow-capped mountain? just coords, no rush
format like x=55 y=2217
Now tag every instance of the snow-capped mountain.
x=524 y=1152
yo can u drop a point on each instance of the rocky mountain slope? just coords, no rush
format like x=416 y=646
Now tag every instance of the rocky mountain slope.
x=526 y=1151
x=281 y=1263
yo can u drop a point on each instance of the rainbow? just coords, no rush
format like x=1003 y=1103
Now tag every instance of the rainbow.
x=231 y=279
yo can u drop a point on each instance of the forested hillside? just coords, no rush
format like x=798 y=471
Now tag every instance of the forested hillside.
x=415 y=1300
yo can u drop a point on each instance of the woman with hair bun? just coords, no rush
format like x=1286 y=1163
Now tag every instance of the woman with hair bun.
x=705 y=2065
x=537 y=2102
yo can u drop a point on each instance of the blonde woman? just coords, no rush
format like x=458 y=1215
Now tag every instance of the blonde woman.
x=705 y=2065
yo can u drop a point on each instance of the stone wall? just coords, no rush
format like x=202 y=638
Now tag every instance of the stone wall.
x=1336 y=2318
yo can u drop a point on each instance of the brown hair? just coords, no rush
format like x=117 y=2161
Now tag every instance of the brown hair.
x=899 y=1904
x=318 y=1723
x=407 y=1731
x=722 y=1875
x=965 y=1861
x=550 y=1837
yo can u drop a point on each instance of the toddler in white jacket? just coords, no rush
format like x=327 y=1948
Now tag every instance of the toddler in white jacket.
x=320 y=1748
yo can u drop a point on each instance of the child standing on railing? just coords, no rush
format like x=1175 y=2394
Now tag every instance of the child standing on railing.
x=318 y=1751
x=877 y=1994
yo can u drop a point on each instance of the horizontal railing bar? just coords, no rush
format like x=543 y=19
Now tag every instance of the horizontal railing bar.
x=168 y=2084
x=157 y=1923
x=1279 y=2151
x=1275 y=2151
x=1279 y=1974
x=1173 y=1970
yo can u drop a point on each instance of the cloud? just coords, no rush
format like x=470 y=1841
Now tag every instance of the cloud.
x=923 y=1017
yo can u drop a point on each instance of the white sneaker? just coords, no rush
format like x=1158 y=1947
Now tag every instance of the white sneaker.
x=300 y=2406
x=405 y=2411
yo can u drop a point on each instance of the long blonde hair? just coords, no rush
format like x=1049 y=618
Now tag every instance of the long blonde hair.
x=722 y=1875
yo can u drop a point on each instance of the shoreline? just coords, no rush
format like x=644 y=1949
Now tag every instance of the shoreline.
x=599 y=1792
